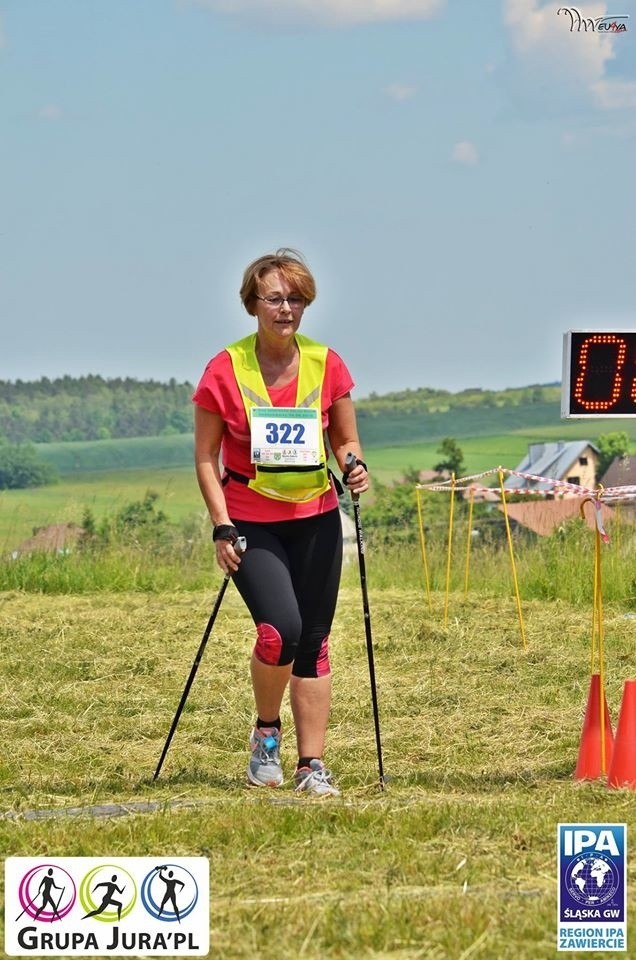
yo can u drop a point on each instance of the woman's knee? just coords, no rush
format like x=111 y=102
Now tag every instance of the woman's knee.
x=276 y=644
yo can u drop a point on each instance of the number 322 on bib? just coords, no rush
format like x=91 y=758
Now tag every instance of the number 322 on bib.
x=285 y=435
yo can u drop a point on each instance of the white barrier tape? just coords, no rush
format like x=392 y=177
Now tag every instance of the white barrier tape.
x=562 y=484
x=438 y=488
x=611 y=492
x=447 y=486
x=526 y=492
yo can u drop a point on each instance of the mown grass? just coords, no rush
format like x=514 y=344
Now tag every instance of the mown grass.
x=454 y=859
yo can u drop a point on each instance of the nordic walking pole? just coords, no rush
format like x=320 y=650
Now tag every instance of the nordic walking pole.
x=31 y=903
x=350 y=463
x=240 y=546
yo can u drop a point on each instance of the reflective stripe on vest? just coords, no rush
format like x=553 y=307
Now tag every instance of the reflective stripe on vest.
x=291 y=484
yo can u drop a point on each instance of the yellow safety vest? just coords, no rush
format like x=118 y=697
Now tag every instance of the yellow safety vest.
x=294 y=484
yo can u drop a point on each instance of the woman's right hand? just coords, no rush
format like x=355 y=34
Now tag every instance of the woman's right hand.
x=226 y=556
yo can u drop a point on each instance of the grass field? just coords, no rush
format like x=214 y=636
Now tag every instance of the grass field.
x=455 y=859
x=103 y=493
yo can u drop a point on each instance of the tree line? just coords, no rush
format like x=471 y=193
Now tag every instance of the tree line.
x=92 y=408
x=95 y=408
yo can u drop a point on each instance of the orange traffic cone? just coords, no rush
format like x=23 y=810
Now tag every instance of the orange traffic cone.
x=591 y=765
x=622 y=771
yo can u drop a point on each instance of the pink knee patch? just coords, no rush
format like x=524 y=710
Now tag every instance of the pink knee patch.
x=269 y=644
x=323 y=667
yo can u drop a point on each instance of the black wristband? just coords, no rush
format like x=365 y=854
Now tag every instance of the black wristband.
x=359 y=463
x=225 y=531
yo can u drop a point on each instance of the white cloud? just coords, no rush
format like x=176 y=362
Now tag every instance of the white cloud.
x=547 y=39
x=401 y=91
x=333 y=12
x=465 y=152
x=50 y=112
x=614 y=94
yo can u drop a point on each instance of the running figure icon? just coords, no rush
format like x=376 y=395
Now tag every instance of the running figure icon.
x=108 y=900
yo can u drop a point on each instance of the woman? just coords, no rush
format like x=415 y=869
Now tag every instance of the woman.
x=264 y=405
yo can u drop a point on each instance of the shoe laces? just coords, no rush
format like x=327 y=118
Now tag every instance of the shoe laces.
x=266 y=748
x=317 y=774
x=322 y=776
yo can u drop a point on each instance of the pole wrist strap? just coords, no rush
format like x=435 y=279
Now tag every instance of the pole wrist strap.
x=225 y=531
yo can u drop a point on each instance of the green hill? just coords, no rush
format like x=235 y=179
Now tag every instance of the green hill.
x=390 y=428
x=87 y=456
x=488 y=435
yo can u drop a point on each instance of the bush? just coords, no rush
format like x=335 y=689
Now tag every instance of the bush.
x=20 y=467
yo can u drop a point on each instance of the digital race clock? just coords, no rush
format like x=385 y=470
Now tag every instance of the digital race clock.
x=599 y=373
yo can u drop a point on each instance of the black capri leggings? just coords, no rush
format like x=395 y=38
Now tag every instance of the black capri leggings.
x=289 y=579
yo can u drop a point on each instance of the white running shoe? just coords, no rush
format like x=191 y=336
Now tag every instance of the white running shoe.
x=264 y=769
x=315 y=780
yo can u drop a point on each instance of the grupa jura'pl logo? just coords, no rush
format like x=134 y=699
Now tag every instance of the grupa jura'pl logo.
x=592 y=879
x=169 y=892
x=108 y=893
x=46 y=893
x=107 y=907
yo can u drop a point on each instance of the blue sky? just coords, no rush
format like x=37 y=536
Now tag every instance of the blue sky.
x=459 y=176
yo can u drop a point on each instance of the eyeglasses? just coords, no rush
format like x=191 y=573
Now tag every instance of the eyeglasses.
x=294 y=303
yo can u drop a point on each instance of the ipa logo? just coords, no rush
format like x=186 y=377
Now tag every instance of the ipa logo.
x=592 y=872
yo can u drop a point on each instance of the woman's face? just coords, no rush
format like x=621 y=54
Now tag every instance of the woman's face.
x=279 y=320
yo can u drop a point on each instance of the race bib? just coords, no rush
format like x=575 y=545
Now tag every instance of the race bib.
x=286 y=436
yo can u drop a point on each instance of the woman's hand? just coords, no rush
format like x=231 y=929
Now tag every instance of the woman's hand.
x=226 y=556
x=358 y=479
x=229 y=546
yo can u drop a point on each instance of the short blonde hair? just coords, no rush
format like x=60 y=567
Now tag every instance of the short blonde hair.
x=291 y=265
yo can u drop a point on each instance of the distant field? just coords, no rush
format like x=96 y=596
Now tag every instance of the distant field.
x=488 y=437
x=106 y=474
x=103 y=493
x=480 y=453
x=540 y=419
x=86 y=456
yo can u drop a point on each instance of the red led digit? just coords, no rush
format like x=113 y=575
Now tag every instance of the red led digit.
x=585 y=369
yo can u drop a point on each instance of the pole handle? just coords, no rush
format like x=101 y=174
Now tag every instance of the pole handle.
x=240 y=545
x=350 y=462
